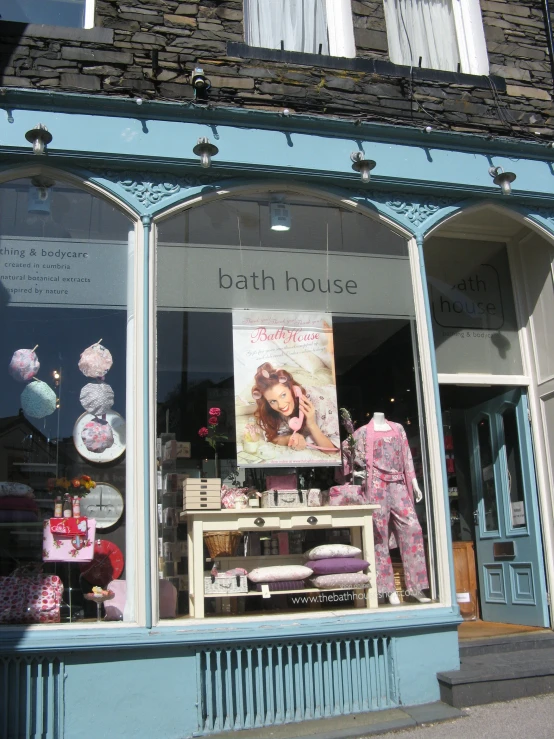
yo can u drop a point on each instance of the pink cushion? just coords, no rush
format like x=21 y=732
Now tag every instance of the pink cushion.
x=344 y=580
x=279 y=573
x=114 y=608
x=282 y=585
x=168 y=599
x=337 y=565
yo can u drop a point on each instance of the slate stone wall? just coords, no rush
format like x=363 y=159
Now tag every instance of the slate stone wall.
x=148 y=48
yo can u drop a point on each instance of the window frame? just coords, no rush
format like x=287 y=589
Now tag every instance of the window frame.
x=470 y=37
x=340 y=30
x=441 y=575
x=90 y=8
x=136 y=608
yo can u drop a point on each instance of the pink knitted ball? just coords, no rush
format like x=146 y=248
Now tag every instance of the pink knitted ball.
x=24 y=365
x=97 y=436
x=95 y=361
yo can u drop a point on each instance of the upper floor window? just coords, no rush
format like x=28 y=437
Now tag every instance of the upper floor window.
x=309 y=26
x=437 y=34
x=71 y=13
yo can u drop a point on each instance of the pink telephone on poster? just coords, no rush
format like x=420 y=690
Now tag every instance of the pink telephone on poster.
x=295 y=423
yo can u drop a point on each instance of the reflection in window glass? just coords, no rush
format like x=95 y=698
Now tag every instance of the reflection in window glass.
x=219 y=267
x=50 y=12
x=513 y=457
x=487 y=475
x=63 y=257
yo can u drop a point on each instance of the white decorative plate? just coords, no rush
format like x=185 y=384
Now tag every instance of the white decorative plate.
x=117 y=423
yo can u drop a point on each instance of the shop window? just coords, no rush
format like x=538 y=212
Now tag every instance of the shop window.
x=271 y=306
x=310 y=26
x=437 y=34
x=71 y=13
x=64 y=344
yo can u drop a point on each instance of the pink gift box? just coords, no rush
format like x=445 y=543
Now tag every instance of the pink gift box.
x=281 y=482
x=60 y=548
x=347 y=495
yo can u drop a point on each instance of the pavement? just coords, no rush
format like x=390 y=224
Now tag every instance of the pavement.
x=532 y=718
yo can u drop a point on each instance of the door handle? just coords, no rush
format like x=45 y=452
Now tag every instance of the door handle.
x=476 y=516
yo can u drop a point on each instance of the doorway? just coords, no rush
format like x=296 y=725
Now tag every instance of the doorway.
x=493 y=505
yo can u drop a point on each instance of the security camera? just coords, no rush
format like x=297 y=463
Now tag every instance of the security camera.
x=199 y=81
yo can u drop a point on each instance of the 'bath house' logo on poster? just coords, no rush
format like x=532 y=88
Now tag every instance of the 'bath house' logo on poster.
x=472 y=301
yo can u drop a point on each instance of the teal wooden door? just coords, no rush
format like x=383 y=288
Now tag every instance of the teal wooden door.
x=508 y=541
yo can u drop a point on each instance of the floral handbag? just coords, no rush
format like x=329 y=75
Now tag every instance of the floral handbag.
x=30 y=597
x=68 y=540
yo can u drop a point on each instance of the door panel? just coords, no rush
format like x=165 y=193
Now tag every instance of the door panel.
x=508 y=545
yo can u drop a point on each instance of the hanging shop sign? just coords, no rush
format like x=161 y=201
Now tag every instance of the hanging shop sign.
x=285 y=393
x=472 y=307
x=196 y=276
x=64 y=272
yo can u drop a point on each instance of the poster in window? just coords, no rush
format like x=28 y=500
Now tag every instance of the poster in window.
x=285 y=392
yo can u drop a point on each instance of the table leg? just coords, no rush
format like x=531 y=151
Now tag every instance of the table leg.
x=198 y=566
x=190 y=555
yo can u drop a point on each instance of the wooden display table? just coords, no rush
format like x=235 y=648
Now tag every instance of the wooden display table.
x=357 y=518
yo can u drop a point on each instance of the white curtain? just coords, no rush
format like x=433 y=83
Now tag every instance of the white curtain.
x=300 y=24
x=422 y=28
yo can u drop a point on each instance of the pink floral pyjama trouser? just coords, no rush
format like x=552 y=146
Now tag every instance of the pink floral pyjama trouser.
x=397 y=510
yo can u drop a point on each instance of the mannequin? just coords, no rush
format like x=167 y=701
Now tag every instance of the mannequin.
x=383 y=453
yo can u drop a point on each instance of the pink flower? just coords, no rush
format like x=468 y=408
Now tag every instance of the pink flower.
x=212 y=420
x=214 y=412
x=203 y=432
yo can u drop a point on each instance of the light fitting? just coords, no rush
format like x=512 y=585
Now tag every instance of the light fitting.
x=39 y=196
x=503 y=179
x=362 y=165
x=279 y=214
x=199 y=81
x=39 y=137
x=205 y=150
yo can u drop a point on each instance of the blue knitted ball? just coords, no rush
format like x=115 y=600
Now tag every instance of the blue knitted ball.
x=38 y=400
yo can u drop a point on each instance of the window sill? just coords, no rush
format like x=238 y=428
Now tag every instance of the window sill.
x=9 y=29
x=371 y=66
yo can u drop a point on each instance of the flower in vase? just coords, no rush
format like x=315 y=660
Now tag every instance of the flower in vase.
x=214 y=412
x=203 y=432
x=212 y=420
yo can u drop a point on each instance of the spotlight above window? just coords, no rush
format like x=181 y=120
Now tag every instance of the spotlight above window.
x=205 y=150
x=39 y=137
x=362 y=165
x=503 y=179
x=279 y=214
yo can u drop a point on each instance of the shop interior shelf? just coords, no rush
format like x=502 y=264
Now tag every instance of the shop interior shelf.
x=22 y=524
x=277 y=592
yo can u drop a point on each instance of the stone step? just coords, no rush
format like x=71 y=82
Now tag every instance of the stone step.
x=539 y=640
x=499 y=676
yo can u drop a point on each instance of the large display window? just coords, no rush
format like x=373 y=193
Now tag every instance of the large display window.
x=289 y=412
x=64 y=258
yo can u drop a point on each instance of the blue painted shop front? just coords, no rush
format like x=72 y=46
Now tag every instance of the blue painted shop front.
x=195 y=677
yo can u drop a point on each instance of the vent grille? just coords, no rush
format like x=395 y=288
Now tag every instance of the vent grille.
x=31 y=697
x=263 y=685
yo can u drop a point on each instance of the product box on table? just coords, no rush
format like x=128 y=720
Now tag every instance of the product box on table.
x=201 y=493
x=278 y=498
x=225 y=584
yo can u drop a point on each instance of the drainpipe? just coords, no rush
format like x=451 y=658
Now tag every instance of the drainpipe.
x=549 y=37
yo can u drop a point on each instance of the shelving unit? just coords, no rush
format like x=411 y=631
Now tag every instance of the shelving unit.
x=357 y=518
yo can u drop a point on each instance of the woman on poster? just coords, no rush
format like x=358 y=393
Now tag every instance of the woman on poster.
x=292 y=416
